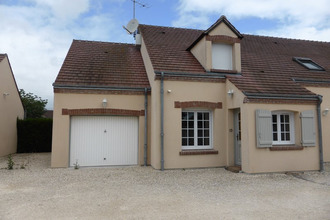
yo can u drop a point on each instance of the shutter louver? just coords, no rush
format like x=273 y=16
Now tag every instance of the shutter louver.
x=264 y=128
x=308 y=134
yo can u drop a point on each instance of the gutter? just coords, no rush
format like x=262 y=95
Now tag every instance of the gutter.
x=280 y=96
x=100 y=88
x=145 y=125
x=317 y=98
x=320 y=132
x=196 y=75
x=162 y=121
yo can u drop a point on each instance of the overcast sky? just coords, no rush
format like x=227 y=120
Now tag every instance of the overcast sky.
x=36 y=34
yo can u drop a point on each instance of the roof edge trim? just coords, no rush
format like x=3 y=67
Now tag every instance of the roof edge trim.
x=281 y=96
x=57 y=86
x=193 y=75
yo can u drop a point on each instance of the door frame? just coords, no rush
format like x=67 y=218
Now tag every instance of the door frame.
x=237 y=151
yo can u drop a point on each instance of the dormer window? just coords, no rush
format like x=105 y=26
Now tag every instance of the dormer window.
x=222 y=56
x=308 y=63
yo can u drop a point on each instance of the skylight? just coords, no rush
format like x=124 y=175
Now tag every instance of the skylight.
x=308 y=63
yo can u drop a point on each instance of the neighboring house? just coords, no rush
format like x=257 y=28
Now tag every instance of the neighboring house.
x=214 y=98
x=11 y=108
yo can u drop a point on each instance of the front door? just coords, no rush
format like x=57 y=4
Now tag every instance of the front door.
x=237 y=133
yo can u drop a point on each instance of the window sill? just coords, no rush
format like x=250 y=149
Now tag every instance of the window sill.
x=197 y=152
x=286 y=147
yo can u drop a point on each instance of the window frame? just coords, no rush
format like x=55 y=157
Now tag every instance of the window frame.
x=196 y=146
x=279 y=131
x=305 y=61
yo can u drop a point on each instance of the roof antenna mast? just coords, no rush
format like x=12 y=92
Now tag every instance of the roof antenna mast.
x=133 y=24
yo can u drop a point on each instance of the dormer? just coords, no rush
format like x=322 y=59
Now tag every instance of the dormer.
x=218 y=48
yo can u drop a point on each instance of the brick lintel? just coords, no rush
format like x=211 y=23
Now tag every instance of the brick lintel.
x=198 y=104
x=102 y=111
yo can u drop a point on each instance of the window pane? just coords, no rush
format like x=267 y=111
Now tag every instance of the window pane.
x=287 y=127
x=184 y=124
x=282 y=118
x=282 y=127
x=191 y=115
x=206 y=124
x=206 y=133
x=287 y=118
x=206 y=141
x=200 y=124
x=191 y=141
x=184 y=133
x=274 y=127
x=184 y=116
x=282 y=136
x=200 y=116
x=200 y=141
x=274 y=118
x=200 y=133
x=184 y=141
x=288 y=136
x=191 y=124
x=206 y=116
x=275 y=137
x=191 y=133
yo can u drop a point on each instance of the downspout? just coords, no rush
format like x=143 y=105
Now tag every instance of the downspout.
x=320 y=132
x=162 y=121
x=145 y=125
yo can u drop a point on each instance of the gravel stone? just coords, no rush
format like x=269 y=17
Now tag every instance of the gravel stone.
x=134 y=192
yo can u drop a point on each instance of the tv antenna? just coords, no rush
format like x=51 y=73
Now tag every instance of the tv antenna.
x=133 y=24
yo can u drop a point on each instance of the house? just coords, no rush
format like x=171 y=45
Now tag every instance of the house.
x=11 y=108
x=185 y=98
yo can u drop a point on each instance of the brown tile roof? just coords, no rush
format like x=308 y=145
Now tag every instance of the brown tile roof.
x=167 y=48
x=267 y=65
x=102 y=64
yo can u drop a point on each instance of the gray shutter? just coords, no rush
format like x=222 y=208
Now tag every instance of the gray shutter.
x=264 y=128
x=308 y=135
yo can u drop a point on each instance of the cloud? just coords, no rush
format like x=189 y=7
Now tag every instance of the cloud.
x=36 y=35
x=295 y=16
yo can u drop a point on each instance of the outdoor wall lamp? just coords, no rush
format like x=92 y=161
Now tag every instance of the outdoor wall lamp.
x=169 y=91
x=230 y=92
x=104 y=103
x=325 y=111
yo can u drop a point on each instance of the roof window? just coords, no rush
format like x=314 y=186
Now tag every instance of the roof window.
x=308 y=63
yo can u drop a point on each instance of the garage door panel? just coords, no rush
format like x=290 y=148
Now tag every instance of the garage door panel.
x=104 y=140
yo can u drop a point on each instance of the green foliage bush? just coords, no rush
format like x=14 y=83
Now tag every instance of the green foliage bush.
x=34 y=135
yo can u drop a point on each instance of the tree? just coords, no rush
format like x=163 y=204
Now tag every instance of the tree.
x=34 y=106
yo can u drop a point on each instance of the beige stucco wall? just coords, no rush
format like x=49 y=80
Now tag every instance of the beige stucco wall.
x=10 y=108
x=258 y=160
x=61 y=123
x=191 y=91
x=325 y=120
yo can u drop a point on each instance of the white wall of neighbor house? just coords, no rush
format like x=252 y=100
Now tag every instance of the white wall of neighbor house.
x=325 y=92
x=11 y=108
x=61 y=123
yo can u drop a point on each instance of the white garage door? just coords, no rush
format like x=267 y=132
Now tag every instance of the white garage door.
x=103 y=140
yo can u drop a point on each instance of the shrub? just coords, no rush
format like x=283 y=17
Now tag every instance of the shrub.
x=34 y=135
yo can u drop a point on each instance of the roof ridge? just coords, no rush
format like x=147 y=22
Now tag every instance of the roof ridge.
x=104 y=42
x=286 y=38
x=171 y=27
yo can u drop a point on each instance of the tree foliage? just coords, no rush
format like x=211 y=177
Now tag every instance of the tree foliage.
x=34 y=105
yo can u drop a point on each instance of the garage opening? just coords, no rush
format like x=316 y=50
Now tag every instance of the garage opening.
x=104 y=140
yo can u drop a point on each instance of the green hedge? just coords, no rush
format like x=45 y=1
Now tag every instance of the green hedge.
x=34 y=135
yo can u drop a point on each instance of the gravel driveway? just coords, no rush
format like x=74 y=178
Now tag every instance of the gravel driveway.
x=39 y=192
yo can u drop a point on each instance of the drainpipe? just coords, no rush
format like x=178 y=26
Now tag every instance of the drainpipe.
x=162 y=121
x=145 y=125
x=320 y=131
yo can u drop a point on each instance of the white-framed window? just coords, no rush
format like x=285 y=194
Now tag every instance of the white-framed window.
x=283 y=128
x=277 y=128
x=196 y=129
x=222 y=56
